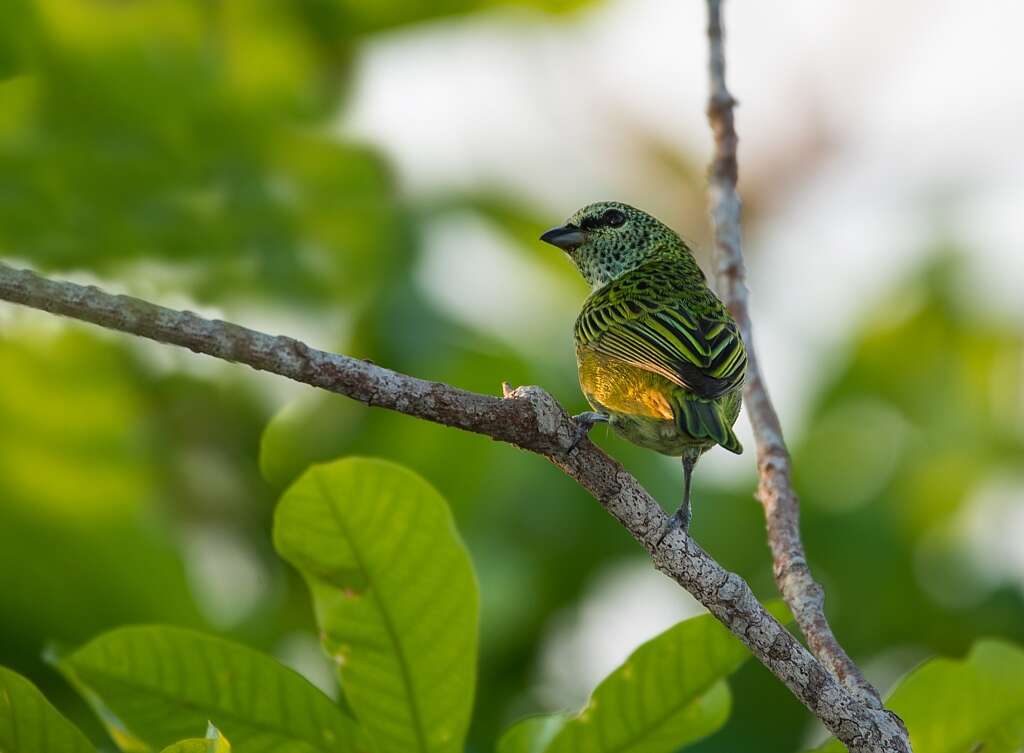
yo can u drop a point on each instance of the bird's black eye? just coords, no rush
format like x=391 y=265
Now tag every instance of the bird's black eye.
x=613 y=218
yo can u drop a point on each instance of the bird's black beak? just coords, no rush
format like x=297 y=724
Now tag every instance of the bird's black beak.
x=566 y=237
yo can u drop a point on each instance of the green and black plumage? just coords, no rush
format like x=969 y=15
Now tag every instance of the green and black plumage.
x=660 y=358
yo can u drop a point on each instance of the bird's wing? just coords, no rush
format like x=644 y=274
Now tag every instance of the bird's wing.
x=647 y=319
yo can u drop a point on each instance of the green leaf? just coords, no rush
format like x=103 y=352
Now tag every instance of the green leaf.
x=194 y=745
x=29 y=724
x=670 y=692
x=531 y=735
x=961 y=706
x=395 y=596
x=214 y=742
x=157 y=684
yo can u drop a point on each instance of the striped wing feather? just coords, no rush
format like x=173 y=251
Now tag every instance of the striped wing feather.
x=644 y=319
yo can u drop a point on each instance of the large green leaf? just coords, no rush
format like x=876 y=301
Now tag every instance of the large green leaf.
x=962 y=706
x=670 y=692
x=158 y=684
x=395 y=596
x=29 y=724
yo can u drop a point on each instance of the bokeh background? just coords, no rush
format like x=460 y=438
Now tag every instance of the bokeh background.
x=372 y=177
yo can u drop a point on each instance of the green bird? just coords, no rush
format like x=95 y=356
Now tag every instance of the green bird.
x=660 y=357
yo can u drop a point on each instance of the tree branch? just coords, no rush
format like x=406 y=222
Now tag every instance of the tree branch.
x=527 y=417
x=802 y=593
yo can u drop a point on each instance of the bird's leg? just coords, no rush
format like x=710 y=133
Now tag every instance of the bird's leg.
x=680 y=520
x=584 y=423
x=685 y=512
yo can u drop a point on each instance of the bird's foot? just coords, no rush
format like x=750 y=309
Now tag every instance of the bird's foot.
x=584 y=423
x=680 y=521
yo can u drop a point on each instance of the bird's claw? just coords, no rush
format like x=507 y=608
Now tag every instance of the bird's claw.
x=584 y=422
x=680 y=521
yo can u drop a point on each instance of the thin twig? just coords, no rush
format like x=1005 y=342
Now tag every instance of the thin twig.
x=802 y=593
x=527 y=417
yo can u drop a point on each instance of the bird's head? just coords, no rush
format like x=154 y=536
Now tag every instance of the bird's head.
x=608 y=238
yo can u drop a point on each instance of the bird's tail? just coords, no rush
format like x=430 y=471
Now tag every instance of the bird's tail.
x=702 y=418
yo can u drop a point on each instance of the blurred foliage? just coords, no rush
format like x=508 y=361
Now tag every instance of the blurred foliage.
x=182 y=147
x=364 y=16
x=190 y=133
x=926 y=408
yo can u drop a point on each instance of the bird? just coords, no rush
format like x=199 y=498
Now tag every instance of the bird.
x=660 y=358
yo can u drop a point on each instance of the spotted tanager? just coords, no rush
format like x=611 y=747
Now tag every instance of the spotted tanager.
x=660 y=357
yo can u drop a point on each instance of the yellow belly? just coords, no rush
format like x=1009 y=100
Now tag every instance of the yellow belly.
x=618 y=387
x=636 y=402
